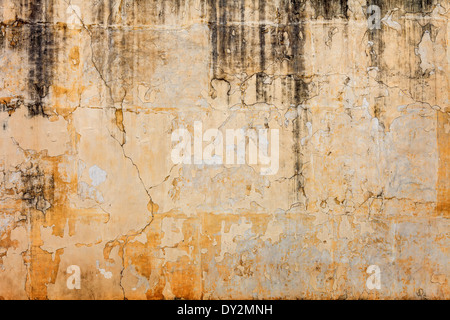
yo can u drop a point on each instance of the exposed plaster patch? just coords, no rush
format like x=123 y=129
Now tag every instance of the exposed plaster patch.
x=229 y=239
x=97 y=175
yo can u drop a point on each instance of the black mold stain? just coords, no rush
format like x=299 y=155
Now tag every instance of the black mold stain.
x=12 y=35
x=109 y=21
x=260 y=92
x=299 y=89
x=429 y=27
x=10 y=106
x=2 y=37
x=33 y=185
x=41 y=53
x=241 y=46
x=299 y=123
x=150 y=12
x=408 y=6
x=36 y=187
x=100 y=12
x=378 y=46
x=329 y=9
x=417 y=6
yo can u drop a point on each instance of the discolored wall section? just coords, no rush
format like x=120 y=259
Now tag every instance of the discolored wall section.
x=91 y=92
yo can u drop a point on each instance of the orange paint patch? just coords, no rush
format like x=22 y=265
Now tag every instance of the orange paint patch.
x=443 y=184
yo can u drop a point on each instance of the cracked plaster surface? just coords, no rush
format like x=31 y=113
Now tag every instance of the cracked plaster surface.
x=91 y=92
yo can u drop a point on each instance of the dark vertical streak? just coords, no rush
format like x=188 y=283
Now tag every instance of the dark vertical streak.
x=250 y=56
x=109 y=21
x=41 y=54
x=214 y=38
x=344 y=8
x=330 y=9
x=299 y=88
x=260 y=92
x=162 y=13
x=222 y=28
x=242 y=36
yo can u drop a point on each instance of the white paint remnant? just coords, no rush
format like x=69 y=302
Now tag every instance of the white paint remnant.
x=172 y=231
x=75 y=14
x=167 y=292
x=303 y=140
x=228 y=245
x=4 y=223
x=97 y=175
x=106 y=274
x=425 y=51
x=273 y=232
x=85 y=191
x=387 y=20
x=346 y=229
x=173 y=254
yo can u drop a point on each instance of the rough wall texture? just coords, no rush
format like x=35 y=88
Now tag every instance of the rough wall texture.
x=91 y=92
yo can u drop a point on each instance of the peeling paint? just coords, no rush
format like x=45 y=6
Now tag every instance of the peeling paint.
x=92 y=91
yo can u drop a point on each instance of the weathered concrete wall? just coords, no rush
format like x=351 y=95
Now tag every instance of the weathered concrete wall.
x=91 y=92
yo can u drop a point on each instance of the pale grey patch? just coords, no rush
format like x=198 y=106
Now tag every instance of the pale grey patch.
x=97 y=175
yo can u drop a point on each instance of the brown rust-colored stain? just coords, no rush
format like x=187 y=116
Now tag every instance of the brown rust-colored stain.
x=39 y=192
x=74 y=56
x=443 y=183
x=119 y=119
x=45 y=192
x=43 y=269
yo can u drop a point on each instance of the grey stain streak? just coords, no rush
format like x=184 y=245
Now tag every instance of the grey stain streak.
x=41 y=53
